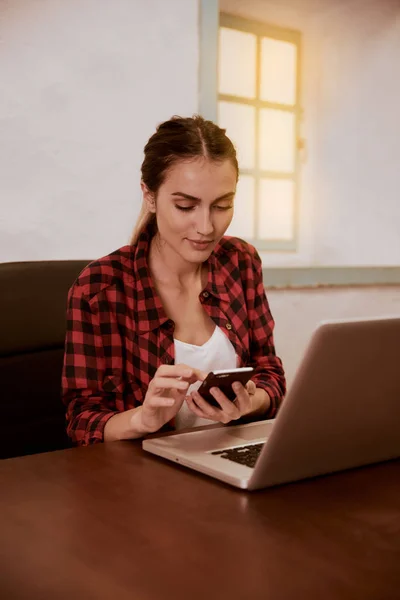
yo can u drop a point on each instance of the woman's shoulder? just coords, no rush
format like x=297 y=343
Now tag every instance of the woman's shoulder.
x=113 y=270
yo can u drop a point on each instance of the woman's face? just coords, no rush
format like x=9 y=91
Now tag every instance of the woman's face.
x=194 y=207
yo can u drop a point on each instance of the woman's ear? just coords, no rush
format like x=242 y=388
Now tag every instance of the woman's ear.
x=148 y=197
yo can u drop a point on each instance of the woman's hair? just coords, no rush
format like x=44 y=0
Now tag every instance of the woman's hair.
x=176 y=140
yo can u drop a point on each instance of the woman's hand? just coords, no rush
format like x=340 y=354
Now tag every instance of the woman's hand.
x=165 y=396
x=229 y=411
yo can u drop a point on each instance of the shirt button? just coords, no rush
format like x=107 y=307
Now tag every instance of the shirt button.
x=205 y=294
x=228 y=326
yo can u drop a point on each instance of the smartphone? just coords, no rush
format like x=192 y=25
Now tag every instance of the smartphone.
x=223 y=380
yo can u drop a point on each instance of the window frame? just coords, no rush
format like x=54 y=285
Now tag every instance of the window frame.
x=261 y=29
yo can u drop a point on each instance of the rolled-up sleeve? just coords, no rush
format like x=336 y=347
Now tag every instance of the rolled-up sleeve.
x=90 y=389
x=269 y=374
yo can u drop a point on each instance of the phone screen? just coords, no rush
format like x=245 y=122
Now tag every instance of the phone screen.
x=224 y=380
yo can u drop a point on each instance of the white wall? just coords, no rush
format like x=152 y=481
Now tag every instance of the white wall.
x=83 y=84
x=350 y=180
x=315 y=305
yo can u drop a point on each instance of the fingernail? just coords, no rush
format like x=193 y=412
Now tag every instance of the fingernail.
x=236 y=386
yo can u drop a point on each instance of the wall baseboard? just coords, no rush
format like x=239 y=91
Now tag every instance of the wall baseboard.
x=329 y=276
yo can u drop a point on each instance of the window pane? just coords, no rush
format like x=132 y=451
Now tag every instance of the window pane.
x=237 y=63
x=239 y=121
x=276 y=218
x=278 y=71
x=243 y=219
x=277 y=140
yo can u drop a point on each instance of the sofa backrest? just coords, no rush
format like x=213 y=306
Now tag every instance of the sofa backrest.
x=33 y=299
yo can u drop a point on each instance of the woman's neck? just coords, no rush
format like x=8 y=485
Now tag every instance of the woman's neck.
x=168 y=268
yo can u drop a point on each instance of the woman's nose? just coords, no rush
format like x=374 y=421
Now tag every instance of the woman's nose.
x=204 y=224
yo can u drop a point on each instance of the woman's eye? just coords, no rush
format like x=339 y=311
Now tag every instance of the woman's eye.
x=223 y=207
x=184 y=208
x=188 y=208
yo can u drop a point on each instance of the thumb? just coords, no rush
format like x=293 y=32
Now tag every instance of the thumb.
x=251 y=388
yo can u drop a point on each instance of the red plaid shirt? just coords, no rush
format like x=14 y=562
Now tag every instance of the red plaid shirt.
x=118 y=333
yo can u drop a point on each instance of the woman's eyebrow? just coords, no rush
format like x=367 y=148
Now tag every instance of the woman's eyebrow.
x=189 y=197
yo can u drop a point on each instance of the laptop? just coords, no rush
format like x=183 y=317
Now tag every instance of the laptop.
x=341 y=411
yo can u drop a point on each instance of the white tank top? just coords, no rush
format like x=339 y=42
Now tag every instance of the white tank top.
x=217 y=353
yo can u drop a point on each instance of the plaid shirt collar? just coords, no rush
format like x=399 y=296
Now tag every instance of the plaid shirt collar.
x=150 y=311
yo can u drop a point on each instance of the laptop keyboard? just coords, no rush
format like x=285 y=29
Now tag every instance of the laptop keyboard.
x=244 y=455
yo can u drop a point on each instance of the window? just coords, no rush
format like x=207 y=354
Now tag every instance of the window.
x=258 y=103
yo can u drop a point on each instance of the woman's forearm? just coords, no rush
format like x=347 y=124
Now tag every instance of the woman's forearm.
x=124 y=426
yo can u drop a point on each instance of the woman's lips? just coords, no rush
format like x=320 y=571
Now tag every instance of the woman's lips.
x=200 y=244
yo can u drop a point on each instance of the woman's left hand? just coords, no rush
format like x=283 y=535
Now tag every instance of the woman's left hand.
x=228 y=411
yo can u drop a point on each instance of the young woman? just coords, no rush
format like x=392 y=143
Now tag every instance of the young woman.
x=149 y=321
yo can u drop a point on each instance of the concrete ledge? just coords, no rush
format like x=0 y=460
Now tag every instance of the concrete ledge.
x=296 y=277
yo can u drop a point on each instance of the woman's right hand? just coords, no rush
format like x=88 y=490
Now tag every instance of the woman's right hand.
x=165 y=396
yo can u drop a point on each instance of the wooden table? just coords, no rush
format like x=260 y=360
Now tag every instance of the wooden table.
x=112 y=522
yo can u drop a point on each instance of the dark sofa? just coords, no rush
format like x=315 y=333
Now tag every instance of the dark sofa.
x=33 y=298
